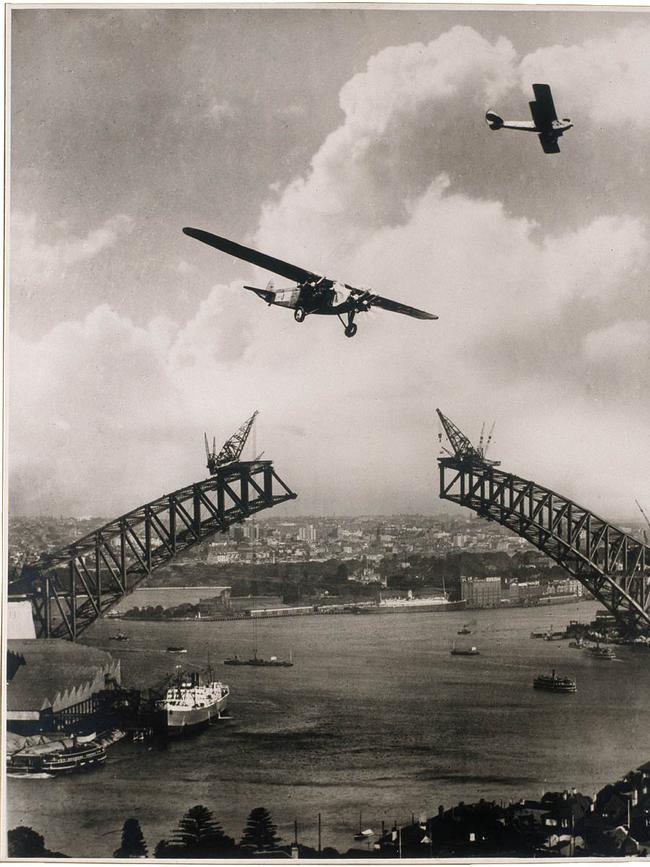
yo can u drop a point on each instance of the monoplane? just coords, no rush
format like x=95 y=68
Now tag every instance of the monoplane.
x=545 y=122
x=313 y=293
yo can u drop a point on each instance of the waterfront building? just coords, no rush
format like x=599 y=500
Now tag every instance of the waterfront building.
x=481 y=592
x=52 y=682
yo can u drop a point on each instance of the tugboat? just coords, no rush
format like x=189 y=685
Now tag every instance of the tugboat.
x=191 y=703
x=272 y=661
x=465 y=651
x=554 y=683
x=119 y=636
x=602 y=652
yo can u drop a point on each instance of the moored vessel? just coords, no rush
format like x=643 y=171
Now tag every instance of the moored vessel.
x=191 y=703
x=57 y=759
x=554 y=683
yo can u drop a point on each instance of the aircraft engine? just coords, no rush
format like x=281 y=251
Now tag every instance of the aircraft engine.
x=493 y=120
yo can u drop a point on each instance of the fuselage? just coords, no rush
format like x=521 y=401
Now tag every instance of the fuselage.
x=315 y=299
x=557 y=126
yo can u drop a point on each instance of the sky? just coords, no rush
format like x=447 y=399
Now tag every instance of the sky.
x=351 y=142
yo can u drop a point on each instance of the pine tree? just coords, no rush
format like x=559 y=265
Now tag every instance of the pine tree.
x=198 y=835
x=24 y=842
x=133 y=844
x=259 y=833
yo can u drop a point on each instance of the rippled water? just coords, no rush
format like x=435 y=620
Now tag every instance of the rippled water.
x=375 y=716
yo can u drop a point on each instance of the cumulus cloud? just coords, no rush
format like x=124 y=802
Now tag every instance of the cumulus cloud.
x=602 y=79
x=31 y=254
x=543 y=326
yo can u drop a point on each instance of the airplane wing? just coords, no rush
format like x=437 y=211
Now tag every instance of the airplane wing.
x=396 y=307
x=284 y=269
x=549 y=144
x=543 y=108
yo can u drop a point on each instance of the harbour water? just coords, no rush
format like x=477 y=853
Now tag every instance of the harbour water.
x=375 y=716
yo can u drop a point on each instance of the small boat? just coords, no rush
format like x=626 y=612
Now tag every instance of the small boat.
x=538 y=634
x=177 y=650
x=464 y=631
x=363 y=833
x=602 y=652
x=465 y=651
x=578 y=643
x=554 y=683
x=119 y=636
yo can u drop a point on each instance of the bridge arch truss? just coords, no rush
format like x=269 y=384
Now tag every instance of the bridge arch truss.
x=70 y=588
x=611 y=564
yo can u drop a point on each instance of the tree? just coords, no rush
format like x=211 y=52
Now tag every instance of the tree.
x=259 y=833
x=133 y=844
x=198 y=835
x=24 y=842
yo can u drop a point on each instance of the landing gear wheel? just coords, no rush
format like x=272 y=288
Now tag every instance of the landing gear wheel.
x=299 y=314
x=350 y=330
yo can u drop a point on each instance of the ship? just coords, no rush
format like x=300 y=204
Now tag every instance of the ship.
x=272 y=661
x=602 y=652
x=57 y=758
x=423 y=603
x=177 y=650
x=465 y=651
x=191 y=703
x=554 y=683
x=119 y=636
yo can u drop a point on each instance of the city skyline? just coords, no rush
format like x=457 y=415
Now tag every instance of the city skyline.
x=376 y=167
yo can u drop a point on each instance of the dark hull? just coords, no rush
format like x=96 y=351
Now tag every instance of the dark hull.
x=259 y=663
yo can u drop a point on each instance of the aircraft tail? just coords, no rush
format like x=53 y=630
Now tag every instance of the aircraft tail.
x=267 y=294
x=494 y=121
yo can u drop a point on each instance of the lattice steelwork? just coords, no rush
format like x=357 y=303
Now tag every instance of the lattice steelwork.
x=70 y=588
x=612 y=565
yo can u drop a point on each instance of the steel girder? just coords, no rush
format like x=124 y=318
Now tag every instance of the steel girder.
x=73 y=586
x=611 y=564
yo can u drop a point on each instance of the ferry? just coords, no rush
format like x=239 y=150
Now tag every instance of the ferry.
x=193 y=702
x=554 y=683
x=65 y=759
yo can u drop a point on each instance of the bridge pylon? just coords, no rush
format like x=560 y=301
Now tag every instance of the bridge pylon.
x=613 y=565
x=70 y=588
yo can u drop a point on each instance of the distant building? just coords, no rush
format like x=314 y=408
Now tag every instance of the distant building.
x=481 y=592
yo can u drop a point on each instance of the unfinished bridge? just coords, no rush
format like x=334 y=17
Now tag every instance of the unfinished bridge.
x=613 y=565
x=73 y=586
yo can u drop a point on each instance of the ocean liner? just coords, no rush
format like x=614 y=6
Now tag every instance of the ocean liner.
x=192 y=702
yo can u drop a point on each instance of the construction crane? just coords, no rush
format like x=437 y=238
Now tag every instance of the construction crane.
x=647 y=520
x=462 y=449
x=231 y=449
